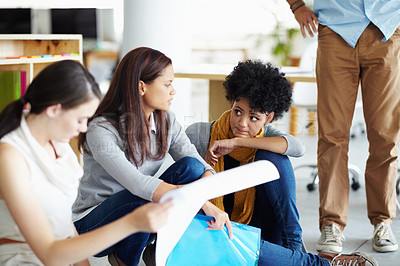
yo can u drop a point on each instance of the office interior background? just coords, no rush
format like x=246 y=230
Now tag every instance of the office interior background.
x=192 y=33
x=206 y=34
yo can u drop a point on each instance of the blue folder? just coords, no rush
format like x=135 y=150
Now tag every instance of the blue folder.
x=199 y=246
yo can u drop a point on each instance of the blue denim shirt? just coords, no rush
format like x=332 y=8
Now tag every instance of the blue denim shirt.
x=349 y=18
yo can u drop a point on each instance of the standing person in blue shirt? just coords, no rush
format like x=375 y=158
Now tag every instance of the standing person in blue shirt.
x=358 y=41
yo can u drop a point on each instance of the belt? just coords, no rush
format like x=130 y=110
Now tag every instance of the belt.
x=4 y=241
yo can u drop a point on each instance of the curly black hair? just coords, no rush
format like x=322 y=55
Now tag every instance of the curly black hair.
x=263 y=85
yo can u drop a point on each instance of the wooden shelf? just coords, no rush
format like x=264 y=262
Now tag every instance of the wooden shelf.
x=25 y=45
x=36 y=60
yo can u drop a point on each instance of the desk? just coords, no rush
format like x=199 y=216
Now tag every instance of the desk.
x=90 y=56
x=216 y=75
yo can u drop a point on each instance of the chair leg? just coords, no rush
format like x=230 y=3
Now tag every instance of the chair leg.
x=314 y=175
x=315 y=180
x=354 y=176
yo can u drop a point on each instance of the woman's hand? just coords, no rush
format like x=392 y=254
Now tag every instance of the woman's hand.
x=221 y=218
x=151 y=216
x=220 y=148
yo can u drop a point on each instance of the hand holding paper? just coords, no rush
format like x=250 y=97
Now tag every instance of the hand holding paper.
x=189 y=198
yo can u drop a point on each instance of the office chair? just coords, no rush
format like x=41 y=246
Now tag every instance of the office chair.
x=354 y=176
x=305 y=96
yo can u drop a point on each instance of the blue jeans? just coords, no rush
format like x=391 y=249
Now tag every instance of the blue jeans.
x=129 y=250
x=275 y=210
x=272 y=254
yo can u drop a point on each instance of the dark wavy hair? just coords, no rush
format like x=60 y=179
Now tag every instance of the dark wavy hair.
x=263 y=85
x=122 y=105
x=66 y=82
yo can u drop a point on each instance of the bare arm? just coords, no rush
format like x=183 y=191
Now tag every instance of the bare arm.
x=84 y=262
x=164 y=187
x=16 y=190
x=221 y=218
x=305 y=17
x=161 y=189
x=220 y=148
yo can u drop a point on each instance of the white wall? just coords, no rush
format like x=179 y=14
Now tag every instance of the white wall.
x=162 y=25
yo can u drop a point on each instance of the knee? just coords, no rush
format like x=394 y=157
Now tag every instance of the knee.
x=193 y=165
x=273 y=157
x=281 y=162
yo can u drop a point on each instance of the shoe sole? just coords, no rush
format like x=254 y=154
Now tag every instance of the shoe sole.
x=329 y=249
x=385 y=248
x=369 y=258
x=112 y=260
x=148 y=256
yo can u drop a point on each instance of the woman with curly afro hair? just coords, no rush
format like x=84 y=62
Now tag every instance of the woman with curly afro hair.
x=259 y=93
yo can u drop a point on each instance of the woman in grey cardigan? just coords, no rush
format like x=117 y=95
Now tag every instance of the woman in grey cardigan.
x=126 y=144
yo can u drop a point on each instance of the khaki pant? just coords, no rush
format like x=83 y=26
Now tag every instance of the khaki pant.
x=339 y=70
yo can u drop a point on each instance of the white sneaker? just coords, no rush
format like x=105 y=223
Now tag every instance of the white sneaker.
x=331 y=239
x=383 y=239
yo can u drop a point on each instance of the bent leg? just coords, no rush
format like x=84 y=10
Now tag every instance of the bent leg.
x=271 y=254
x=281 y=197
x=129 y=249
x=265 y=218
x=183 y=171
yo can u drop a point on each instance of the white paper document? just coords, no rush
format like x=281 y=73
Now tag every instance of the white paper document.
x=189 y=198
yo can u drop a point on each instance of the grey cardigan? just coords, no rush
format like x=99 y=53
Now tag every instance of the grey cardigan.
x=199 y=135
x=108 y=171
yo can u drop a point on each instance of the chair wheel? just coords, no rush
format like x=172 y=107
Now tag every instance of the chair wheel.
x=355 y=186
x=311 y=187
x=398 y=186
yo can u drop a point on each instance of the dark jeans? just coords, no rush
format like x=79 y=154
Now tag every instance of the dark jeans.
x=275 y=210
x=129 y=250
x=272 y=255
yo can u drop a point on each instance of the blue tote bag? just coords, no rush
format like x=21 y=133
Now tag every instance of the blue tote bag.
x=199 y=246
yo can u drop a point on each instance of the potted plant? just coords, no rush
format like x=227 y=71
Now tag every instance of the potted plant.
x=283 y=48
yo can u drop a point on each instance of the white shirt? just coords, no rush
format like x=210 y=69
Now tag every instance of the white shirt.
x=54 y=184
